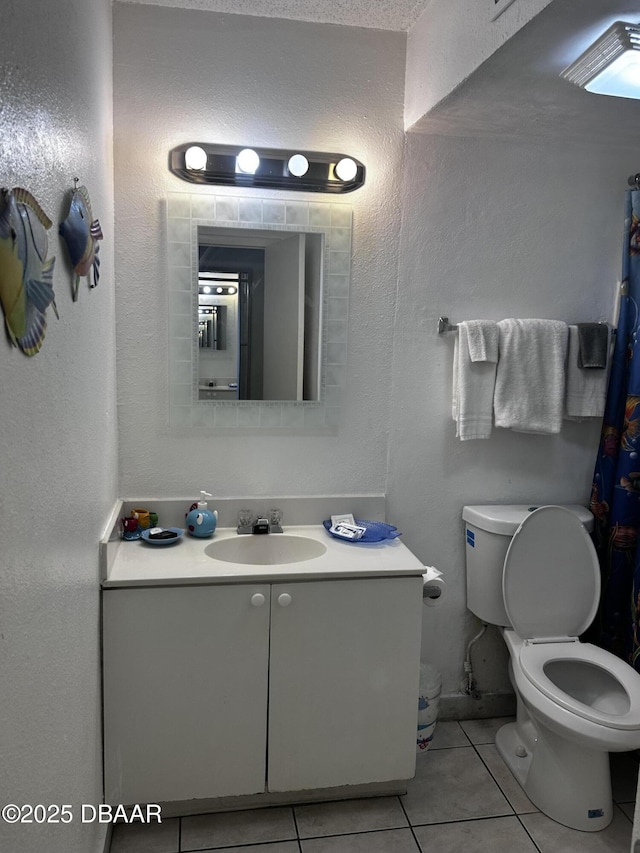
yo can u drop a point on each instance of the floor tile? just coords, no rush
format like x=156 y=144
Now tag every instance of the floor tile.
x=146 y=838
x=446 y=734
x=349 y=816
x=272 y=847
x=493 y=835
x=510 y=787
x=211 y=831
x=628 y=809
x=389 y=841
x=624 y=776
x=552 y=837
x=451 y=785
x=484 y=731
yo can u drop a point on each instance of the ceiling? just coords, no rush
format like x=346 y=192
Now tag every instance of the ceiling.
x=518 y=92
x=376 y=14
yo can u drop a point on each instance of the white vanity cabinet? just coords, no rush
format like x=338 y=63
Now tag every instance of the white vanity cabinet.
x=185 y=674
x=202 y=683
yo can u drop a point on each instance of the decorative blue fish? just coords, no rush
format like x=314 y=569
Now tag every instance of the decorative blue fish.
x=26 y=277
x=81 y=234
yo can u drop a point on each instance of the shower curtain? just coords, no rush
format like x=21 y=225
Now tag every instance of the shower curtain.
x=615 y=494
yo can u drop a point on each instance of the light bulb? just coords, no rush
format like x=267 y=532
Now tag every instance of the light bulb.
x=195 y=158
x=346 y=169
x=248 y=161
x=219 y=289
x=231 y=290
x=298 y=165
x=206 y=289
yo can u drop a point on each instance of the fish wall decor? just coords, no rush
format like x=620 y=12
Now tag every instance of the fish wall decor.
x=26 y=276
x=81 y=232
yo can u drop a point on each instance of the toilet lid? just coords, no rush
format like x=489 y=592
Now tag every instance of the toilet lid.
x=551 y=577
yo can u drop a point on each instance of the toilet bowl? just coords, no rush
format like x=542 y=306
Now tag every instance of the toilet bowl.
x=576 y=702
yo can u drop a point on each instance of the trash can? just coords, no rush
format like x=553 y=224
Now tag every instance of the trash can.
x=428 y=704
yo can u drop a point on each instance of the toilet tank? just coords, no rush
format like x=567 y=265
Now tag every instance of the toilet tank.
x=488 y=531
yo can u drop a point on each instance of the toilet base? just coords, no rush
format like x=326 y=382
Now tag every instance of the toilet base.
x=568 y=782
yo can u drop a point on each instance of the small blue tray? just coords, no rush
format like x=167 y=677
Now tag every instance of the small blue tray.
x=377 y=531
x=144 y=535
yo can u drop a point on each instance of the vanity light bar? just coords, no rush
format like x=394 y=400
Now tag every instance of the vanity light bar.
x=266 y=168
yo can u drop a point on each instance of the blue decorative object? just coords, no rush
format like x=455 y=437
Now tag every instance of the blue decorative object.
x=200 y=520
x=81 y=233
x=377 y=531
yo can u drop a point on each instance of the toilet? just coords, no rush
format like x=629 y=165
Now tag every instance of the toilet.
x=533 y=571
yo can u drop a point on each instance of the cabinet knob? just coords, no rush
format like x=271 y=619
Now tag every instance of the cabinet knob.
x=258 y=599
x=284 y=599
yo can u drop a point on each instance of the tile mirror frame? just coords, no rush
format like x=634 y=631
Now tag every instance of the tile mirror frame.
x=185 y=213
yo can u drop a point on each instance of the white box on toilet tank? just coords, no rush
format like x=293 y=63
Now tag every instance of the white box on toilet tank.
x=488 y=531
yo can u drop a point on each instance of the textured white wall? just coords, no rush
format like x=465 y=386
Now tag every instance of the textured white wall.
x=182 y=75
x=449 y=41
x=58 y=466
x=491 y=229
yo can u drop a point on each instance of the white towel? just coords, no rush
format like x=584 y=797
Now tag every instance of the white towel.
x=586 y=392
x=483 y=339
x=474 y=379
x=530 y=380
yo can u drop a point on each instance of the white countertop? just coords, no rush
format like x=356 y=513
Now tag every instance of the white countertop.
x=138 y=563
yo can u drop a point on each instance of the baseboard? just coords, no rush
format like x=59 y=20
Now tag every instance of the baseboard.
x=460 y=706
x=185 y=808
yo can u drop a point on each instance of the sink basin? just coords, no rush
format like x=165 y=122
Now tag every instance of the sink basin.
x=274 y=549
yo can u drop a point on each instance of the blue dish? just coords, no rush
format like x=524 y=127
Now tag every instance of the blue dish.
x=377 y=531
x=144 y=535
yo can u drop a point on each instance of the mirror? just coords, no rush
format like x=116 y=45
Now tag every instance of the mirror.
x=258 y=305
x=259 y=313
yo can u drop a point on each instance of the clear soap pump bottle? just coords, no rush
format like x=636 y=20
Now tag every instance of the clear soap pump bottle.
x=200 y=520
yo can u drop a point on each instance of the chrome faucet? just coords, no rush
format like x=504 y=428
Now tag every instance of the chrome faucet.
x=261 y=524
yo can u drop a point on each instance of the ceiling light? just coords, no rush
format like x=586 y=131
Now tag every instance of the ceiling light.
x=611 y=66
x=346 y=169
x=298 y=165
x=248 y=161
x=195 y=158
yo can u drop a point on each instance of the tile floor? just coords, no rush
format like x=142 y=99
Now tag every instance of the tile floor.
x=463 y=798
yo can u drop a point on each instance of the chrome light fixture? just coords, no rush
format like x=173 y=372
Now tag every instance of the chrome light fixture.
x=266 y=168
x=611 y=66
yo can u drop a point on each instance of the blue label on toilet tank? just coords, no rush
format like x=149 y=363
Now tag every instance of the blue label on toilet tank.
x=471 y=538
x=596 y=813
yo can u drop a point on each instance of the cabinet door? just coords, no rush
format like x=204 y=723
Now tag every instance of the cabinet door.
x=343 y=682
x=185 y=692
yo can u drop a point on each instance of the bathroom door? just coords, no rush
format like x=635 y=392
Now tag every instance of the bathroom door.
x=283 y=354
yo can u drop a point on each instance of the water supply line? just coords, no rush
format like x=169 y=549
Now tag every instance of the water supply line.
x=470 y=687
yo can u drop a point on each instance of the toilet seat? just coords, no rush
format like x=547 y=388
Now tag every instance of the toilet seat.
x=535 y=656
x=551 y=588
x=551 y=576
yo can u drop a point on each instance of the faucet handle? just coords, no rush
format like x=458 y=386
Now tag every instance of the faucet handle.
x=275 y=520
x=246 y=517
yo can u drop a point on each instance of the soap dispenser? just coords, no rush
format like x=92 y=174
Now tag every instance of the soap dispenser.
x=200 y=520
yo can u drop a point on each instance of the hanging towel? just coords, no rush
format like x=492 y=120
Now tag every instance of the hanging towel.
x=474 y=378
x=593 y=344
x=530 y=379
x=586 y=391
x=482 y=338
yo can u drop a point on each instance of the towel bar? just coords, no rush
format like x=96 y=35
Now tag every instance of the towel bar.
x=445 y=326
